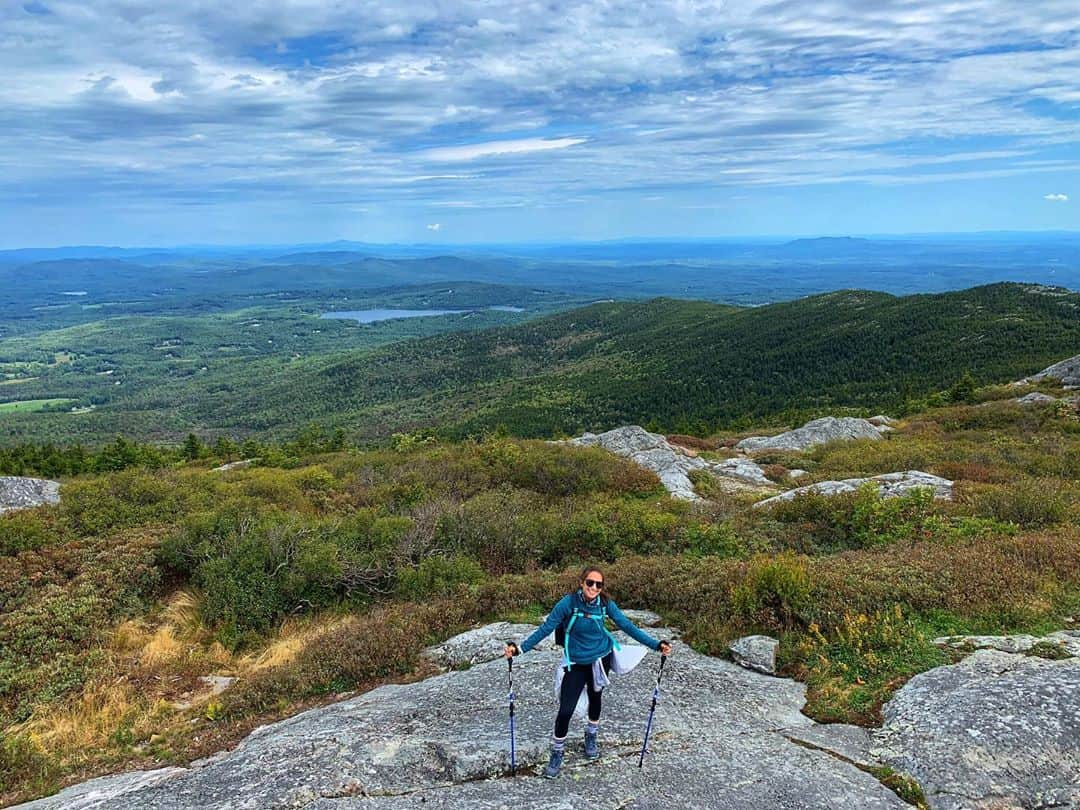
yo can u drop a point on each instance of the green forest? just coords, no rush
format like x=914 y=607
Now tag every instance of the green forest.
x=672 y=365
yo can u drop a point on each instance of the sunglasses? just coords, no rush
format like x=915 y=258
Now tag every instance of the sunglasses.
x=594 y=583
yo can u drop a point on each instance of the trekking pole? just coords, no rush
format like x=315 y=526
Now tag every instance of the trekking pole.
x=510 y=696
x=652 y=711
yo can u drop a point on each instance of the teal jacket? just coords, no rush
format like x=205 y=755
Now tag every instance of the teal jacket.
x=586 y=641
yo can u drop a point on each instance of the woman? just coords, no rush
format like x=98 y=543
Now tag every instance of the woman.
x=587 y=658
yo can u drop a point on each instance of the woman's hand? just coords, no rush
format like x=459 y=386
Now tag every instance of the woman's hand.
x=511 y=649
x=665 y=648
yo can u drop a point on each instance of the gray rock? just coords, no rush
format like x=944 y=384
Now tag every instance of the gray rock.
x=796 y=473
x=482 y=644
x=235 y=465
x=643 y=618
x=889 y=485
x=718 y=741
x=1067 y=640
x=1067 y=372
x=882 y=421
x=755 y=652
x=653 y=452
x=17 y=492
x=741 y=468
x=995 y=730
x=851 y=743
x=813 y=433
x=671 y=463
x=1010 y=644
x=1035 y=398
x=106 y=791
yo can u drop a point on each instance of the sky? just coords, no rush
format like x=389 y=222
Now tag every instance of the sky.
x=143 y=122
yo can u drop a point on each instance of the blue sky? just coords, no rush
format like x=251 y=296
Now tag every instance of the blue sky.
x=137 y=122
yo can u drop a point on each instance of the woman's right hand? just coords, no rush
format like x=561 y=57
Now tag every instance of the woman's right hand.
x=510 y=650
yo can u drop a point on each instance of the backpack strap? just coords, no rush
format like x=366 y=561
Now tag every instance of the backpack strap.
x=567 y=663
x=602 y=619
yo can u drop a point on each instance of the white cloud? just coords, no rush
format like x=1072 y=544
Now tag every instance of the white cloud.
x=345 y=102
x=434 y=226
x=515 y=147
x=1056 y=197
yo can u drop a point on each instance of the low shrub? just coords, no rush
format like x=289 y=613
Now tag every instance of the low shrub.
x=774 y=593
x=1031 y=503
x=853 y=667
x=438 y=577
x=27 y=530
x=859 y=520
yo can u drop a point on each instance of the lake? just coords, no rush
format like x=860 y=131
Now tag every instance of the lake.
x=373 y=315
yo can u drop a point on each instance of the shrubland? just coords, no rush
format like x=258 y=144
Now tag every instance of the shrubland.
x=324 y=570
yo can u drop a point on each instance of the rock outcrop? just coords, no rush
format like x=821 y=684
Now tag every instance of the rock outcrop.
x=995 y=730
x=722 y=738
x=671 y=463
x=17 y=492
x=1063 y=642
x=1067 y=372
x=755 y=652
x=889 y=485
x=1035 y=398
x=819 y=431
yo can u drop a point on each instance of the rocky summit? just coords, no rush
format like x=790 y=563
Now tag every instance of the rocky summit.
x=17 y=492
x=996 y=730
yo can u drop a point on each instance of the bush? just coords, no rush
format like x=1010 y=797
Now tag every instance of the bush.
x=774 y=593
x=861 y=519
x=438 y=577
x=853 y=668
x=1029 y=502
x=255 y=565
x=25 y=530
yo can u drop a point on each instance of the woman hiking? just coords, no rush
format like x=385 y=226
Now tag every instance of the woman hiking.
x=589 y=652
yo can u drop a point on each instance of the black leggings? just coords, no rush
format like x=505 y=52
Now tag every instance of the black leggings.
x=579 y=676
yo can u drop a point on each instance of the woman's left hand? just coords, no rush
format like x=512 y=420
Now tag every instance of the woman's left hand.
x=665 y=648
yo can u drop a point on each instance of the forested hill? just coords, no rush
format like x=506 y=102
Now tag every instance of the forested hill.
x=676 y=365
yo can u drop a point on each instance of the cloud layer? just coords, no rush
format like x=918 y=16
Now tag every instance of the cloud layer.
x=386 y=112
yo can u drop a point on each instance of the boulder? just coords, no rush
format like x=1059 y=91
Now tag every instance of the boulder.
x=235 y=465
x=818 y=431
x=17 y=492
x=671 y=463
x=1035 y=398
x=755 y=652
x=653 y=452
x=889 y=485
x=722 y=738
x=1067 y=372
x=995 y=730
x=643 y=618
x=882 y=421
x=743 y=469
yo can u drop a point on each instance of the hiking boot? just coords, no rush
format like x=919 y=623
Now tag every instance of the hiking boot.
x=554 y=765
x=592 y=747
